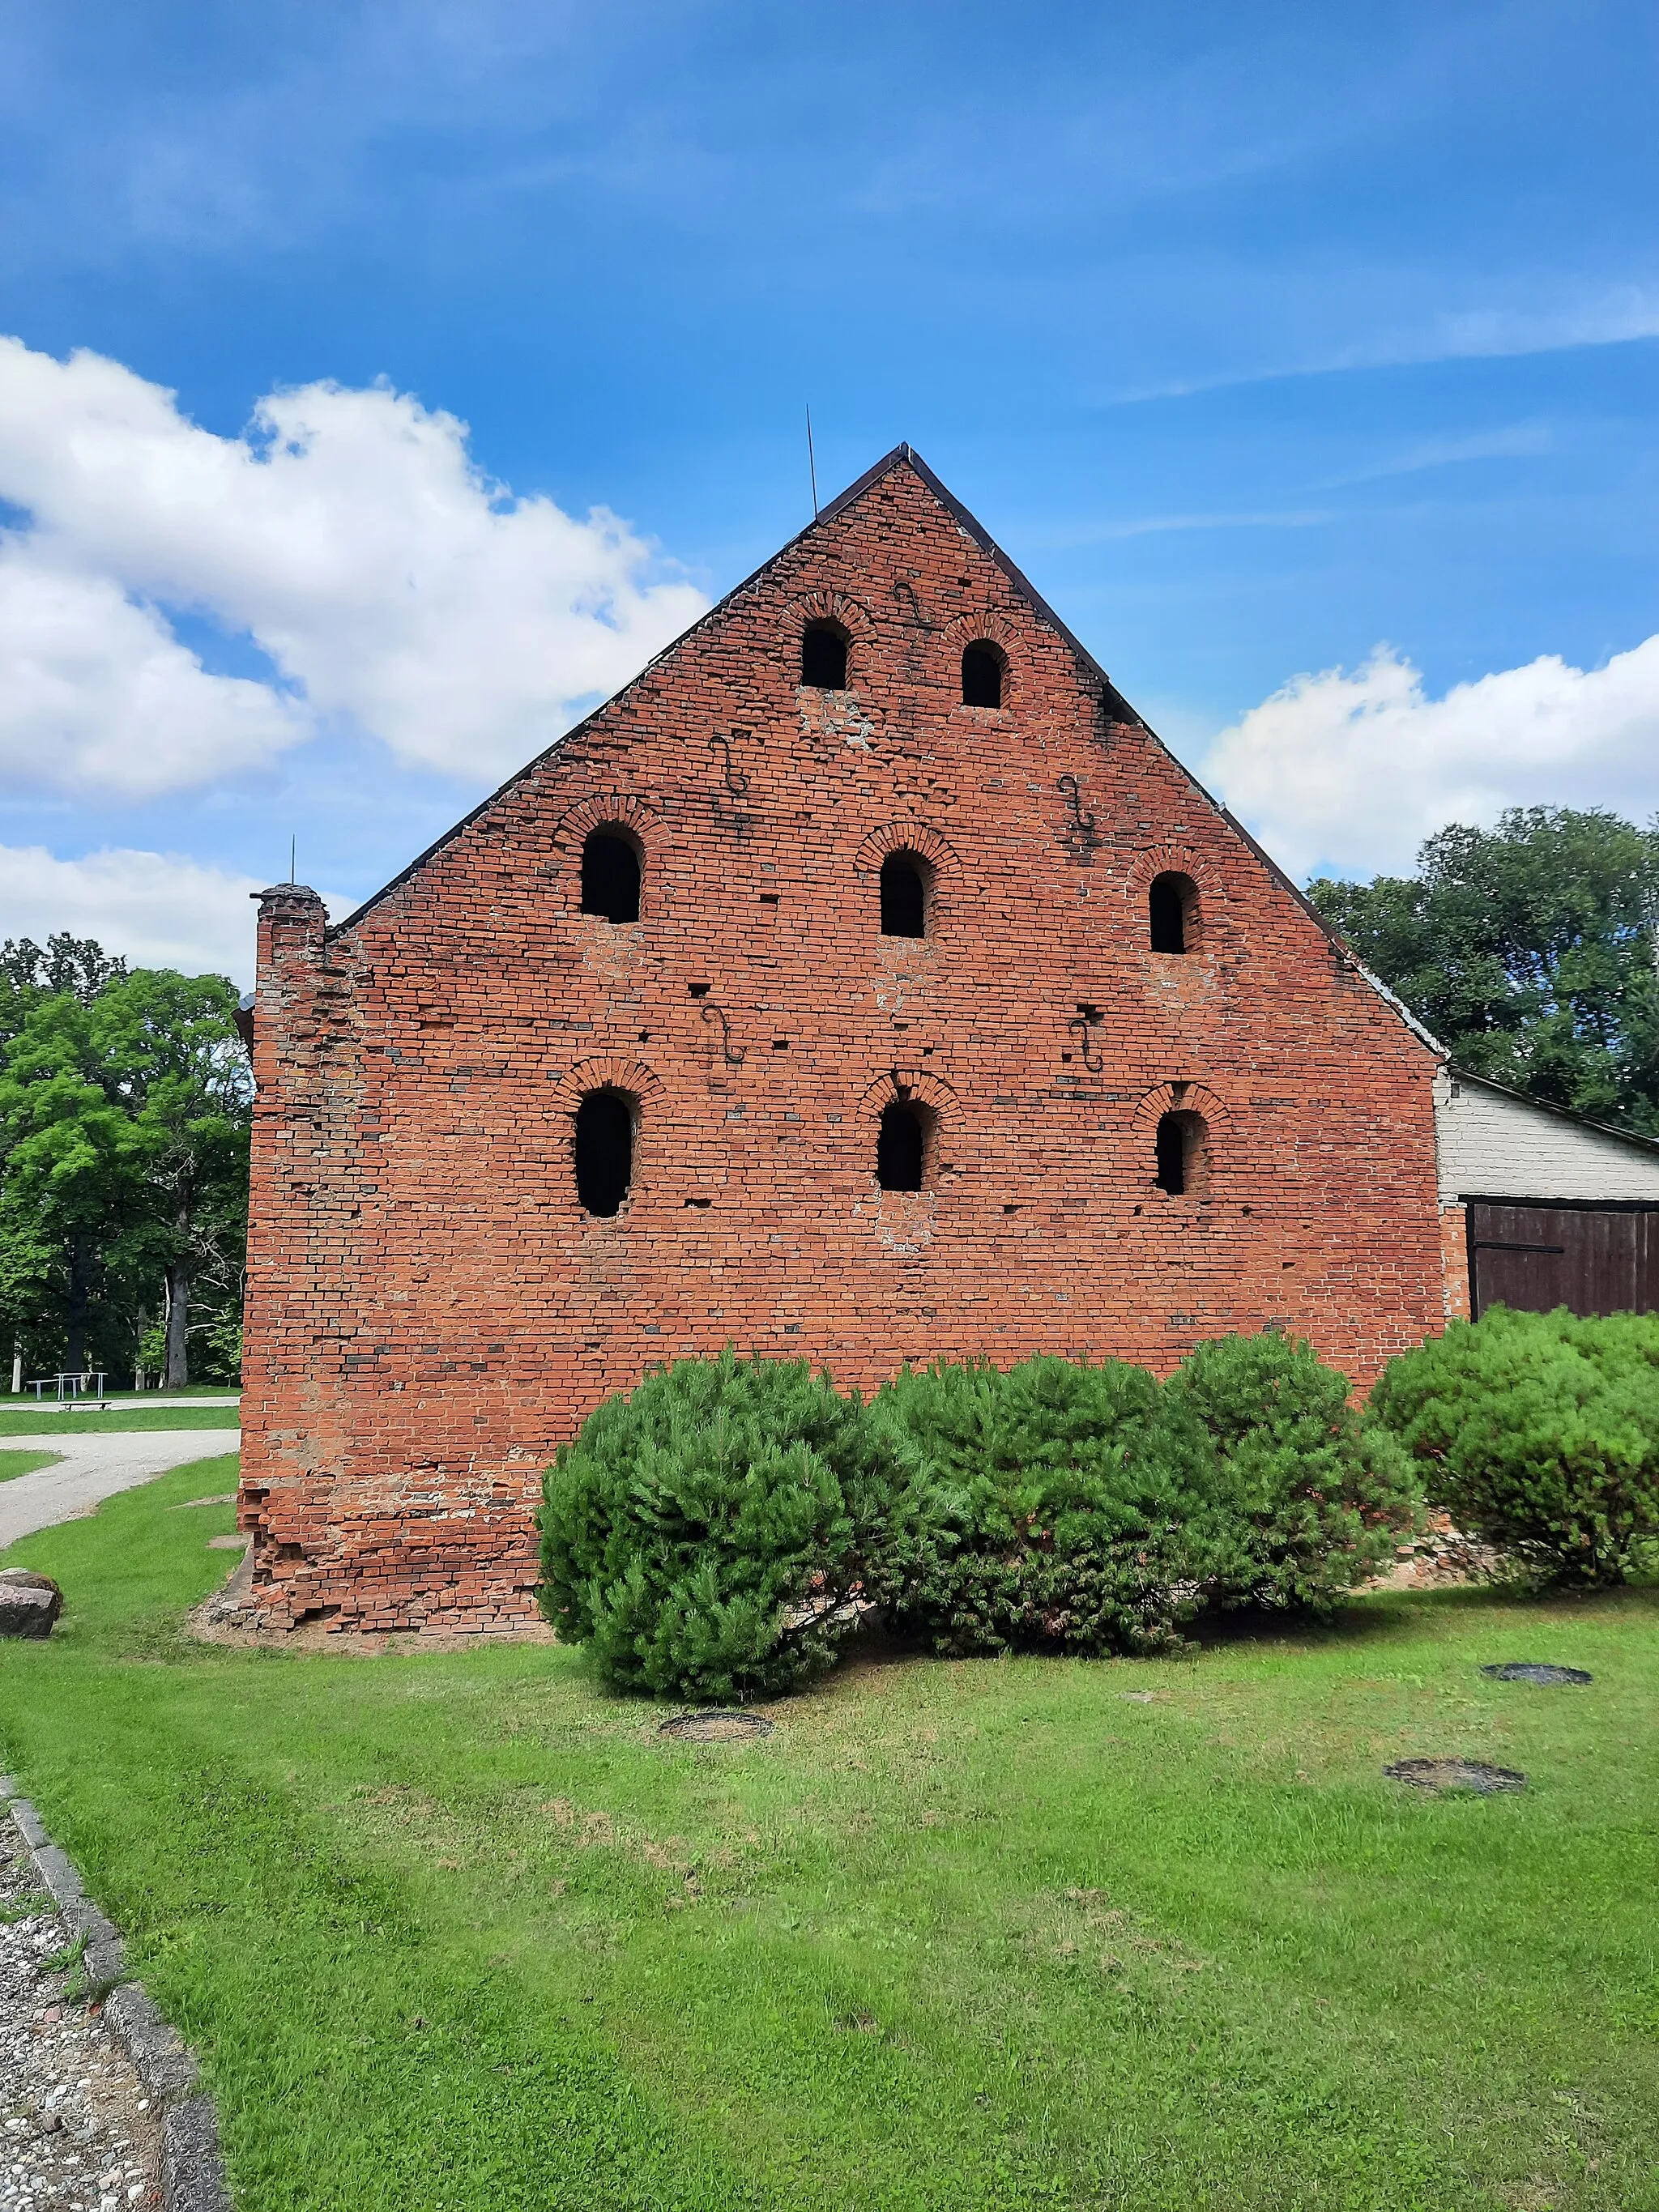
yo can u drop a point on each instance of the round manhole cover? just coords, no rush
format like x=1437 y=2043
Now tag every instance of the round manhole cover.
x=1535 y=1670
x=717 y=1727
x=1454 y=1774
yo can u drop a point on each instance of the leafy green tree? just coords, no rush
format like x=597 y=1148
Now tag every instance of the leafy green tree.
x=72 y=1171
x=172 y=1057
x=1529 y=951
x=77 y=966
x=125 y=1109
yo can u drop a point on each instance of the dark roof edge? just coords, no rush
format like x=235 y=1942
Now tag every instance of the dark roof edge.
x=842 y=501
x=1111 y=698
x=1561 y=1113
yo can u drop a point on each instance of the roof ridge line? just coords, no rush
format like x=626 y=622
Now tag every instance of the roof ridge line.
x=1111 y=699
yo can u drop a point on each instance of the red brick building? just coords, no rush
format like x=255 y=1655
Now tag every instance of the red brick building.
x=863 y=981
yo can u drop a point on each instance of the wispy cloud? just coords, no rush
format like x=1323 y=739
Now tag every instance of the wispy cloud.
x=1149 y=526
x=1519 y=441
x=1622 y=315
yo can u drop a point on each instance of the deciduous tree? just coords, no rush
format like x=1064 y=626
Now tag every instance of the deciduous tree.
x=1528 y=951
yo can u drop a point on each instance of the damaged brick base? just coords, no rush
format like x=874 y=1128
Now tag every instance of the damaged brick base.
x=192 y=2171
x=242 y=1614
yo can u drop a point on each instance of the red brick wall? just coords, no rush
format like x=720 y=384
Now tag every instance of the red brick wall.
x=432 y=1310
x=1455 y=1261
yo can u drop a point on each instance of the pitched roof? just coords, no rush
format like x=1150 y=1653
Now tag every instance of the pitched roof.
x=905 y=456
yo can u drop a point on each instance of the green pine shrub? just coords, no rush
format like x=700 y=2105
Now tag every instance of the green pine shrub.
x=710 y=1534
x=1316 y=1497
x=1071 y=1510
x=1538 y=1434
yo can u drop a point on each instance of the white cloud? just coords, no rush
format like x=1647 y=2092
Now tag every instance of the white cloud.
x=1350 y=771
x=154 y=909
x=97 y=696
x=350 y=536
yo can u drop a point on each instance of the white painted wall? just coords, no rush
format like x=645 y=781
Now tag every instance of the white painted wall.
x=1494 y=1145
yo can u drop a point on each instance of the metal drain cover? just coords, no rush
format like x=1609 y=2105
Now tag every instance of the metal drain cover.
x=1454 y=1774
x=717 y=1726
x=1535 y=1670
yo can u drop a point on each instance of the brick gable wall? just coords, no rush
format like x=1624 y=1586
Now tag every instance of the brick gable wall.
x=431 y=1310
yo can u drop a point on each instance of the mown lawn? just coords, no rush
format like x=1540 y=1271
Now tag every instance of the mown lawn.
x=41 y=1420
x=25 y=1462
x=460 y=1931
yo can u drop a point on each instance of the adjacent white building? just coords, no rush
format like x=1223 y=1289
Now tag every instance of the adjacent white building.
x=1549 y=1209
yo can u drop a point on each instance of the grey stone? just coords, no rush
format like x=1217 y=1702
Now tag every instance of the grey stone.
x=104 y=1955
x=29 y=1603
x=164 y=2067
x=192 y=2171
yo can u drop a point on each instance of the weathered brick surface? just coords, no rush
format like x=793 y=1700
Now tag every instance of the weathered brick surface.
x=1455 y=1261
x=431 y=1311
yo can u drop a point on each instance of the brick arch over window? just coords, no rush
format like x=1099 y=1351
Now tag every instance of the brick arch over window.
x=1179 y=1097
x=902 y=837
x=853 y=617
x=606 y=1072
x=642 y=816
x=904 y=1083
x=908 y=1093
x=1185 y=869
x=984 y=628
x=1173 y=858
x=1177 y=1126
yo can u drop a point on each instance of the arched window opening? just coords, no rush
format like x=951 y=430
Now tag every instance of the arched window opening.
x=982 y=677
x=824 y=656
x=904 y=895
x=1182 y=1148
x=611 y=876
x=604 y=1151
x=904 y=1145
x=1172 y=913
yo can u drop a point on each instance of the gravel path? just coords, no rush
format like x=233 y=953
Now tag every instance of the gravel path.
x=77 y=2134
x=93 y=1468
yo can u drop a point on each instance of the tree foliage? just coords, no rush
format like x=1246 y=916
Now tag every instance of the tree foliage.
x=717 y=1532
x=1314 y=1497
x=1074 y=1509
x=1529 y=951
x=712 y=1534
x=124 y=1110
x=1539 y=1434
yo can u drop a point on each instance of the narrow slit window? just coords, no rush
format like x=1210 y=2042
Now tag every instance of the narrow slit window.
x=1183 y=1150
x=824 y=656
x=903 y=896
x=982 y=677
x=902 y=1147
x=604 y=1151
x=1172 y=913
x=610 y=876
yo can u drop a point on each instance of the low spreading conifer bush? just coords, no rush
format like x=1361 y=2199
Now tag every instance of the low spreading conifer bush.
x=1314 y=1498
x=711 y=1534
x=719 y=1531
x=1538 y=1434
x=1073 y=1509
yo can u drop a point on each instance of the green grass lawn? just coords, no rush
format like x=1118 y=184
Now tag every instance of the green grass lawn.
x=135 y=1413
x=193 y=1390
x=460 y=1931
x=25 y=1462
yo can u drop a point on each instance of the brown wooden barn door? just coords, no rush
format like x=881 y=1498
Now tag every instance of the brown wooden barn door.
x=1591 y=1260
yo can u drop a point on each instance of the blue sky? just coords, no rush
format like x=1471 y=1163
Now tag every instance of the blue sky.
x=1262 y=337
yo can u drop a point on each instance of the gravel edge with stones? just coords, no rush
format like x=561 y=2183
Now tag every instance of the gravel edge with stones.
x=192 y=2170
